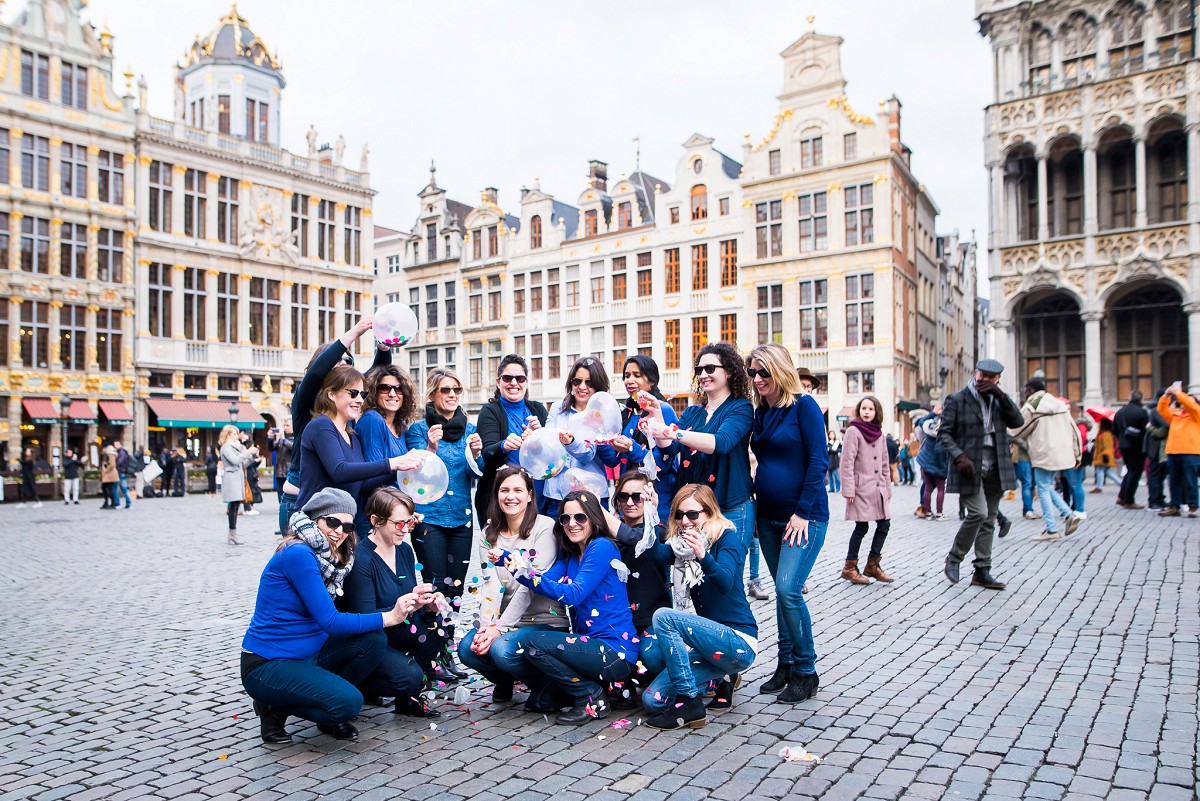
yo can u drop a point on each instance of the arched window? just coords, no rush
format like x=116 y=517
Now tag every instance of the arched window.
x=1166 y=169
x=699 y=202
x=1150 y=339
x=535 y=232
x=1021 y=190
x=1116 y=170
x=1078 y=36
x=1064 y=187
x=1175 y=31
x=1052 y=341
x=1039 y=59
x=1126 y=49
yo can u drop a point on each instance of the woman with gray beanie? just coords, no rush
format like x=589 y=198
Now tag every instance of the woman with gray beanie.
x=300 y=656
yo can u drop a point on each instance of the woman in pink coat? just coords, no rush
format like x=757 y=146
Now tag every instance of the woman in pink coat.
x=867 y=488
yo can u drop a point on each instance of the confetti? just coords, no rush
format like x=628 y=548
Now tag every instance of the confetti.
x=223 y=756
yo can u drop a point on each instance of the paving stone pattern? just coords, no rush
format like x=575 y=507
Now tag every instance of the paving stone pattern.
x=119 y=679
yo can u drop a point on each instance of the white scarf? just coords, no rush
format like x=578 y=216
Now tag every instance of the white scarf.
x=688 y=575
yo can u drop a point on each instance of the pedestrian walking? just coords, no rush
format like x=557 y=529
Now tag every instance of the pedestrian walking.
x=834 y=454
x=867 y=488
x=893 y=454
x=932 y=461
x=1129 y=426
x=234 y=459
x=1183 y=448
x=122 y=488
x=1050 y=436
x=282 y=442
x=974 y=435
x=179 y=476
x=109 y=477
x=27 y=489
x=1104 y=456
x=211 y=461
x=1156 y=456
x=70 y=468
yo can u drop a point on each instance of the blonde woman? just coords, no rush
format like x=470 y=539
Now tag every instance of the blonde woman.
x=710 y=634
x=235 y=458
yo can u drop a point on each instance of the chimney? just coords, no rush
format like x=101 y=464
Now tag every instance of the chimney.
x=490 y=195
x=892 y=106
x=598 y=175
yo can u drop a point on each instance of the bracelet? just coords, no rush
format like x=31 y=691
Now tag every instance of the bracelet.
x=679 y=435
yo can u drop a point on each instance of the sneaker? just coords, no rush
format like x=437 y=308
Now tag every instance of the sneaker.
x=254 y=512
x=1073 y=523
x=1096 y=490
x=1032 y=516
x=21 y=505
x=38 y=505
x=1048 y=536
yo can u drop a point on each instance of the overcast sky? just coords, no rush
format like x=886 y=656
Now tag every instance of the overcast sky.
x=501 y=93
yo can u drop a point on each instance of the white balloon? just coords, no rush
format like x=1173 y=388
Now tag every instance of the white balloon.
x=542 y=454
x=427 y=482
x=582 y=480
x=395 y=324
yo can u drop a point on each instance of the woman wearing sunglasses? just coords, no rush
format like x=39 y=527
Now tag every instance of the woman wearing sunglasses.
x=585 y=378
x=508 y=611
x=502 y=424
x=388 y=408
x=629 y=450
x=574 y=668
x=302 y=657
x=710 y=634
x=384 y=576
x=331 y=454
x=443 y=540
x=790 y=443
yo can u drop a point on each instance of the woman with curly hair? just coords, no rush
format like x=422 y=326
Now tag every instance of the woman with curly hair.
x=389 y=406
x=586 y=377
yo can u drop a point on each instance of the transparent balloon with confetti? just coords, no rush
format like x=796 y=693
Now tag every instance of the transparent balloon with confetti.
x=427 y=482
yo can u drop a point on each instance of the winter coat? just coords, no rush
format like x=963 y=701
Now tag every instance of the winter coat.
x=108 y=467
x=1104 y=453
x=866 y=477
x=931 y=458
x=234 y=461
x=1184 y=436
x=1049 y=433
x=961 y=432
x=1129 y=426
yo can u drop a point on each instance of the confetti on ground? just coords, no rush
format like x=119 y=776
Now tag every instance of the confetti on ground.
x=620 y=724
x=223 y=756
x=797 y=753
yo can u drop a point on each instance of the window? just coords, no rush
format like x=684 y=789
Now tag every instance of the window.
x=227 y=308
x=108 y=340
x=300 y=317
x=552 y=289
x=35 y=245
x=3 y=344
x=860 y=217
x=814 y=222
x=352 y=235
x=645 y=332
x=723 y=205
x=535 y=232
x=161 y=176
x=810 y=152
x=227 y=210
x=158 y=312
x=493 y=240
x=535 y=291
x=475 y=300
x=699 y=202
x=572 y=294
x=35 y=333
x=1125 y=25
x=197 y=114
x=35 y=75
x=674 y=215
x=860 y=382
x=850 y=146
x=353 y=305
x=699 y=267
x=645 y=283
x=494 y=293
x=264 y=312
x=258 y=115
x=699 y=334
x=774 y=165
x=618 y=360
x=327 y=314
x=591 y=223
x=227 y=383
x=110 y=255
x=770 y=314
x=223 y=108
x=74 y=85
x=5 y=155
x=300 y=220
x=393 y=265
x=431 y=306
x=624 y=215
x=729 y=265
x=325 y=223
x=729 y=328
x=1174 y=32
x=598 y=338
x=35 y=162
x=193 y=305
x=768 y=216
x=860 y=309
x=477 y=243
x=671 y=331
x=1038 y=58
x=618 y=279
x=73 y=170
x=671 y=270
x=535 y=362
x=814 y=311
x=195 y=203
x=72 y=337
x=597 y=290
x=620 y=337
x=73 y=250
x=110 y=177
x=553 y=359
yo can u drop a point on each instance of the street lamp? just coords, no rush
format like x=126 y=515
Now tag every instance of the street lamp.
x=233 y=413
x=64 y=414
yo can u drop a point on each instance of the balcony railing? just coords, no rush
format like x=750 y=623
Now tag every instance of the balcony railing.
x=197 y=353
x=267 y=358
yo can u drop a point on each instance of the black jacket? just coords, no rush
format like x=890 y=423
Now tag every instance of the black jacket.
x=492 y=427
x=1130 y=426
x=647 y=584
x=961 y=432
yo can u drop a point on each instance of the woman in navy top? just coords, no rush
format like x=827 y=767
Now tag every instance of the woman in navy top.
x=629 y=450
x=713 y=440
x=389 y=407
x=502 y=424
x=790 y=443
x=604 y=647
x=332 y=454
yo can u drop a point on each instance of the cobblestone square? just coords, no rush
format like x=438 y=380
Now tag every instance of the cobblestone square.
x=119 y=678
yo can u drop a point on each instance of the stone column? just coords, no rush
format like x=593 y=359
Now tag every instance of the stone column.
x=56 y=164
x=210 y=305
x=1043 y=206
x=210 y=207
x=93 y=173
x=314 y=334
x=14 y=165
x=1192 y=310
x=14 y=342
x=143 y=298
x=314 y=205
x=999 y=236
x=14 y=240
x=93 y=365
x=56 y=335
x=1091 y=222
x=1193 y=185
x=1006 y=353
x=55 y=261
x=177 y=173
x=243 y=310
x=1140 y=178
x=1093 y=359
x=285 y=315
x=339 y=234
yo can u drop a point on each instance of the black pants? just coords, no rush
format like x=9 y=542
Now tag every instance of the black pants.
x=1135 y=462
x=444 y=554
x=1154 y=482
x=231 y=510
x=27 y=490
x=860 y=530
x=211 y=475
x=106 y=489
x=407 y=662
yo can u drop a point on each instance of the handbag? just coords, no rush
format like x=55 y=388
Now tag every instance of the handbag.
x=247 y=494
x=151 y=471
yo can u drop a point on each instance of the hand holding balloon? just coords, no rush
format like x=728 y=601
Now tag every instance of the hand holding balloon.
x=428 y=481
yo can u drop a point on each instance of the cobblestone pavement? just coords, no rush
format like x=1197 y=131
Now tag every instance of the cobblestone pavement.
x=119 y=679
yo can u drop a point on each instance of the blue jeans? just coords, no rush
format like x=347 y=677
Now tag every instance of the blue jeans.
x=835 y=480
x=651 y=653
x=1106 y=474
x=1181 y=468
x=1074 y=478
x=742 y=517
x=579 y=666
x=121 y=489
x=286 y=503
x=505 y=660
x=1049 y=498
x=321 y=688
x=698 y=650
x=790 y=566
x=1024 y=471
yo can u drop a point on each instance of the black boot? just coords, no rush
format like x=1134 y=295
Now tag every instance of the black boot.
x=545 y=699
x=983 y=578
x=778 y=680
x=270 y=724
x=584 y=711
x=797 y=690
x=340 y=731
x=685 y=711
x=450 y=671
x=502 y=691
x=722 y=697
x=415 y=708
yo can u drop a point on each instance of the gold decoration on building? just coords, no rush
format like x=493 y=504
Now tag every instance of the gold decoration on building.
x=106 y=38
x=267 y=386
x=852 y=115
x=779 y=118
x=100 y=92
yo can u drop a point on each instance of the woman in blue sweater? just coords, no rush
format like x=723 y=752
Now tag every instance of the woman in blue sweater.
x=629 y=450
x=390 y=405
x=790 y=443
x=604 y=648
x=720 y=639
x=300 y=656
x=586 y=377
x=332 y=453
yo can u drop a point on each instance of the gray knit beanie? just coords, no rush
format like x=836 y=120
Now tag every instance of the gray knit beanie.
x=330 y=501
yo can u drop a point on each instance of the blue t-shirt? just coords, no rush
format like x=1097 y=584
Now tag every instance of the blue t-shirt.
x=791 y=446
x=727 y=469
x=378 y=441
x=454 y=508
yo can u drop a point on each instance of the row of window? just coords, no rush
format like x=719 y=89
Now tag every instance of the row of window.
x=258 y=117
x=73 y=168
x=858 y=216
x=34 y=244
x=34 y=329
x=35 y=80
x=448 y=304
x=812 y=153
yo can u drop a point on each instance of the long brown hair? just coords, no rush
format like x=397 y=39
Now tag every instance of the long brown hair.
x=339 y=378
x=590 y=504
x=496 y=516
x=597 y=376
x=408 y=401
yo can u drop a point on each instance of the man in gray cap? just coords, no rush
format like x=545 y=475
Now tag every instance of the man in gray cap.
x=974 y=431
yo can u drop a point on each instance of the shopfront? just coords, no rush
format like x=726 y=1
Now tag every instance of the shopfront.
x=195 y=425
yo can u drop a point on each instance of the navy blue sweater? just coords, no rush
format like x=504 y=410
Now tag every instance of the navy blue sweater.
x=727 y=468
x=327 y=460
x=721 y=597
x=790 y=444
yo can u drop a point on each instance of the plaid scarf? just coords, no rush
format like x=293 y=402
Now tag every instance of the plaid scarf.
x=688 y=574
x=305 y=529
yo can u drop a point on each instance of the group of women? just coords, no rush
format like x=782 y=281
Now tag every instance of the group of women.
x=588 y=600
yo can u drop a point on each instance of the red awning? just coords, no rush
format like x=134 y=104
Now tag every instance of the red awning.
x=116 y=412
x=41 y=410
x=847 y=412
x=187 y=413
x=82 y=412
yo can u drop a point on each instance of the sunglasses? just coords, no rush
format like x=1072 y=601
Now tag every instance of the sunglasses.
x=405 y=525
x=753 y=373
x=693 y=515
x=708 y=369
x=580 y=518
x=587 y=382
x=626 y=497
x=508 y=379
x=335 y=524
x=355 y=394
x=450 y=390
x=388 y=389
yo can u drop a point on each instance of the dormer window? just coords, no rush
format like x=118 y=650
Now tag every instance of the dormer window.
x=431 y=242
x=477 y=243
x=624 y=215
x=535 y=232
x=674 y=215
x=699 y=202
x=811 y=151
x=591 y=223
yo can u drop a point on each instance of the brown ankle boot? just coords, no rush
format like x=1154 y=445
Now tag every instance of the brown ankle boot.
x=875 y=571
x=850 y=573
